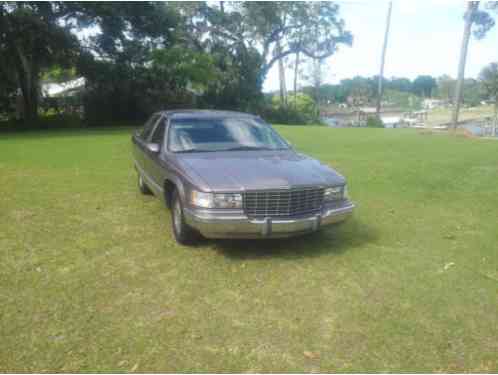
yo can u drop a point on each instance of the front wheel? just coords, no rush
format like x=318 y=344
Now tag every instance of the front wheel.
x=144 y=189
x=184 y=234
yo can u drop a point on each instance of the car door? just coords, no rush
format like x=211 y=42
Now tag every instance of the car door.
x=140 y=140
x=155 y=162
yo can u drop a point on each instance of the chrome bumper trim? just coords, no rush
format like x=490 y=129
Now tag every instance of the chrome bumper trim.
x=235 y=224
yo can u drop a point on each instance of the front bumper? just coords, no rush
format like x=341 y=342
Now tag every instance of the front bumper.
x=235 y=224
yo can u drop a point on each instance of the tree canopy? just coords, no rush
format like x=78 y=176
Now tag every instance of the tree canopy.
x=139 y=56
x=424 y=85
x=489 y=80
x=32 y=38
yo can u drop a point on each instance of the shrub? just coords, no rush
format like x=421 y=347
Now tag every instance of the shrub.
x=374 y=122
x=404 y=101
x=301 y=109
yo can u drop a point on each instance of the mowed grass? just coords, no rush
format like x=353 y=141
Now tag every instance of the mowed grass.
x=92 y=280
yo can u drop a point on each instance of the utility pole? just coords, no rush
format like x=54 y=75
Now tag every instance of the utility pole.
x=383 y=60
x=471 y=8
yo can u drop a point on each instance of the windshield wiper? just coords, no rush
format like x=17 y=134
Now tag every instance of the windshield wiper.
x=238 y=148
x=245 y=148
x=192 y=150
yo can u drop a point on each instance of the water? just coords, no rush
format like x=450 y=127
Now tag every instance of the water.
x=331 y=122
x=341 y=121
x=479 y=130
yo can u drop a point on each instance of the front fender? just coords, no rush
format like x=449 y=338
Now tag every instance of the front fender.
x=171 y=183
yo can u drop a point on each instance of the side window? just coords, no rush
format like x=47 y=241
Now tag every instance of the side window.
x=148 y=127
x=158 y=135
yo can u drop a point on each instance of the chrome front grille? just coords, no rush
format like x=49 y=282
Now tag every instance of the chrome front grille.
x=283 y=203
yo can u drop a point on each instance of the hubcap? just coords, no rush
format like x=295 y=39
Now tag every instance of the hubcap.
x=177 y=217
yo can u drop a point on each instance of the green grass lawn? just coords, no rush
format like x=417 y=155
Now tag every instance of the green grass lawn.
x=92 y=280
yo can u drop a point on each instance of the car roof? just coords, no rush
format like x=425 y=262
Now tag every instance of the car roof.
x=203 y=113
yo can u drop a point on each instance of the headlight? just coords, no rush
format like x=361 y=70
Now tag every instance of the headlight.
x=201 y=199
x=335 y=193
x=228 y=200
x=210 y=200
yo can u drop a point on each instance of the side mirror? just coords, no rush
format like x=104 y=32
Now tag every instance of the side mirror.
x=153 y=147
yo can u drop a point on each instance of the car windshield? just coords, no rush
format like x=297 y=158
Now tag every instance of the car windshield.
x=223 y=134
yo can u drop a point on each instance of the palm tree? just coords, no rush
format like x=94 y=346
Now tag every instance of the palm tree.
x=472 y=7
x=383 y=59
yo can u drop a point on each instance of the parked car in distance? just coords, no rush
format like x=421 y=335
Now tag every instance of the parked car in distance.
x=231 y=175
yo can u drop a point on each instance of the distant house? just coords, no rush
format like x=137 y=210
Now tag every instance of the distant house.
x=433 y=103
x=65 y=97
x=69 y=88
x=368 y=110
x=415 y=118
x=391 y=122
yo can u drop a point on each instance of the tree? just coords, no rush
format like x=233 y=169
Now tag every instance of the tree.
x=222 y=34
x=424 y=85
x=141 y=53
x=270 y=30
x=312 y=28
x=482 y=22
x=445 y=87
x=316 y=79
x=31 y=39
x=301 y=109
x=472 y=92
x=296 y=73
x=8 y=90
x=35 y=36
x=383 y=60
x=469 y=19
x=333 y=93
x=285 y=28
x=400 y=84
x=281 y=76
x=359 y=90
x=489 y=80
x=119 y=62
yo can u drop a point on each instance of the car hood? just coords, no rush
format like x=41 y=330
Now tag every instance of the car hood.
x=256 y=170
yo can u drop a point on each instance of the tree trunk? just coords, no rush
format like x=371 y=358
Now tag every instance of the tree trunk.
x=281 y=74
x=380 y=89
x=317 y=79
x=29 y=88
x=296 y=73
x=471 y=8
x=27 y=73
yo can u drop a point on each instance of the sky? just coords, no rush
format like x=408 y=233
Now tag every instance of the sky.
x=425 y=38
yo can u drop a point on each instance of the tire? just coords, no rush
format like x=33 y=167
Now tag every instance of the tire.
x=183 y=233
x=142 y=186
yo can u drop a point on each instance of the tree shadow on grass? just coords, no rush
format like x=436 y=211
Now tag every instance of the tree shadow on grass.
x=333 y=240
